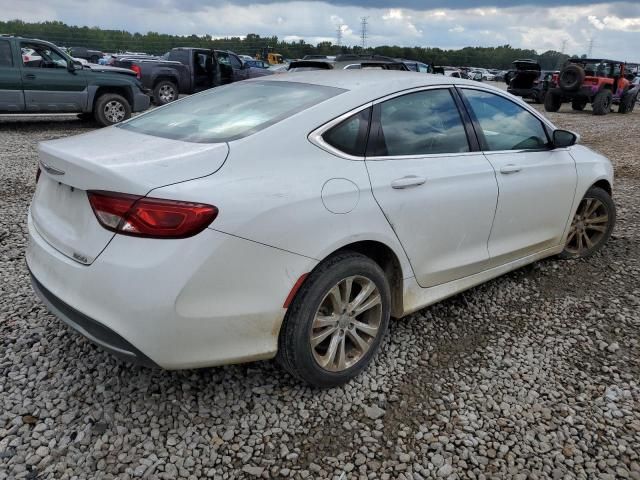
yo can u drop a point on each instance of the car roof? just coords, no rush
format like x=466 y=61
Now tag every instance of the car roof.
x=378 y=82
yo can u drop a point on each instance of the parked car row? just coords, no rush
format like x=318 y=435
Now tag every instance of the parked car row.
x=39 y=77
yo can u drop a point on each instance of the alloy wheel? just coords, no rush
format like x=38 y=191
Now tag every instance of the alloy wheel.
x=346 y=323
x=114 y=111
x=166 y=93
x=588 y=227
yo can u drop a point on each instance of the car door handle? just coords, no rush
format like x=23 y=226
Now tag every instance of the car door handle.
x=510 y=168
x=30 y=76
x=408 y=181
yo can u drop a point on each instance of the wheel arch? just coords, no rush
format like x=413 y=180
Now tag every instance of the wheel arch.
x=118 y=90
x=604 y=184
x=388 y=260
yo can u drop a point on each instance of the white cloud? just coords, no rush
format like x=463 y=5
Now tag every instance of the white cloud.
x=533 y=26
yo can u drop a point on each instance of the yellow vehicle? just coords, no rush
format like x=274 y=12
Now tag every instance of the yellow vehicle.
x=270 y=57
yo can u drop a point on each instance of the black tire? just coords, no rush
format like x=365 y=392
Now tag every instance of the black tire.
x=571 y=77
x=578 y=104
x=111 y=108
x=627 y=103
x=295 y=353
x=608 y=207
x=602 y=102
x=552 y=102
x=165 y=92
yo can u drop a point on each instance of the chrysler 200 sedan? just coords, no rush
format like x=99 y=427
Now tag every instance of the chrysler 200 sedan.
x=293 y=216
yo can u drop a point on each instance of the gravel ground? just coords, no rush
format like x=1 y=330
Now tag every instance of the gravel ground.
x=533 y=375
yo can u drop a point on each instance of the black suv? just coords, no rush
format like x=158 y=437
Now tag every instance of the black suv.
x=38 y=77
x=527 y=80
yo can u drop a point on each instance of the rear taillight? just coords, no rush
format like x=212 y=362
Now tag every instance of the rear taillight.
x=38 y=172
x=150 y=217
x=136 y=69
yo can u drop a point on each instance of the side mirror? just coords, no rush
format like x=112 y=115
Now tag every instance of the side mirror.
x=564 y=138
x=74 y=65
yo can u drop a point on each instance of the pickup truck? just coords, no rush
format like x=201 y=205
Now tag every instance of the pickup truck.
x=49 y=81
x=188 y=70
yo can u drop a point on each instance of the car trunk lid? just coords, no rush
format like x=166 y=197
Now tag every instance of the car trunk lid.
x=111 y=160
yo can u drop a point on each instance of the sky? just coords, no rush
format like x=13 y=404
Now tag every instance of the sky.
x=610 y=29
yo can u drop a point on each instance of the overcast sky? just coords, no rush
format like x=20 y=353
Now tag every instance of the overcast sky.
x=540 y=24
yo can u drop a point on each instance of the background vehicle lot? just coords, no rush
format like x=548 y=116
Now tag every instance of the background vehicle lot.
x=534 y=372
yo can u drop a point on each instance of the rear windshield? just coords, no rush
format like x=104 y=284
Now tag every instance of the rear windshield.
x=230 y=112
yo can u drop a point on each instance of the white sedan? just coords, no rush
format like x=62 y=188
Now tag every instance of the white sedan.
x=177 y=239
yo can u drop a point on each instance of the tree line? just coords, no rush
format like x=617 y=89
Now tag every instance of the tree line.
x=114 y=41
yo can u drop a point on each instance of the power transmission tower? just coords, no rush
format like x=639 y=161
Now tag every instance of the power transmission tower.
x=363 y=25
x=590 y=50
x=339 y=34
x=564 y=46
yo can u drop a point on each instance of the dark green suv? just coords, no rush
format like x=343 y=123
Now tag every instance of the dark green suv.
x=38 y=77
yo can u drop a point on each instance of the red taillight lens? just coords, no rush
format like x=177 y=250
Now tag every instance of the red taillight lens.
x=136 y=68
x=150 y=217
x=38 y=172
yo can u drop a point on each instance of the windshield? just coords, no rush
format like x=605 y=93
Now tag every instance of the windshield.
x=230 y=112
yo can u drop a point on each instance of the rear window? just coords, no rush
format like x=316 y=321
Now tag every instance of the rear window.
x=230 y=112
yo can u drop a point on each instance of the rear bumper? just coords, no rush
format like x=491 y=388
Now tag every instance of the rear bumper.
x=524 y=92
x=211 y=299
x=585 y=92
x=94 y=331
x=141 y=101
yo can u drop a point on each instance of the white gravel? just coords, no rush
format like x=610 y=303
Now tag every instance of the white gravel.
x=534 y=375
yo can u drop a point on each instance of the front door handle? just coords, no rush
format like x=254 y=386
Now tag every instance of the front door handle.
x=408 y=181
x=510 y=168
x=30 y=76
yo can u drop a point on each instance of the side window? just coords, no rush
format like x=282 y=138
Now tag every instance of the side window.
x=506 y=125
x=423 y=68
x=41 y=56
x=6 y=60
x=420 y=123
x=350 y=135
x=235 y=61
x=223 y=58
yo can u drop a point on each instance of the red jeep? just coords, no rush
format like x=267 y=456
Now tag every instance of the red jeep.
x=596 y=81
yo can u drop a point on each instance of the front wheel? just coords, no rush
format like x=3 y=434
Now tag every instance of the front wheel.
x=591 y=226
x=602 y=102
x=110 y=109
x=336 y=322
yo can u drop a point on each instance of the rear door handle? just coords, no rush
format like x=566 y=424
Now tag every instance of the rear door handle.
x=510 y=168
x=408 y=181
x=30 y=76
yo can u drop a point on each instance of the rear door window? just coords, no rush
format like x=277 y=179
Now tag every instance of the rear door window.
x=6 y=59
x=420 y=123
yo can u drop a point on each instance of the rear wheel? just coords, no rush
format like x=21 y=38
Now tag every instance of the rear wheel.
x=336 y=322
x=111 y=108
x=602 y=102
x=165 y=92
x=578 y=104
x=592 y=224
x=552 y=102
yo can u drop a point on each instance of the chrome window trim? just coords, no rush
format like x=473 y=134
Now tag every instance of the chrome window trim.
x=315 y=137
